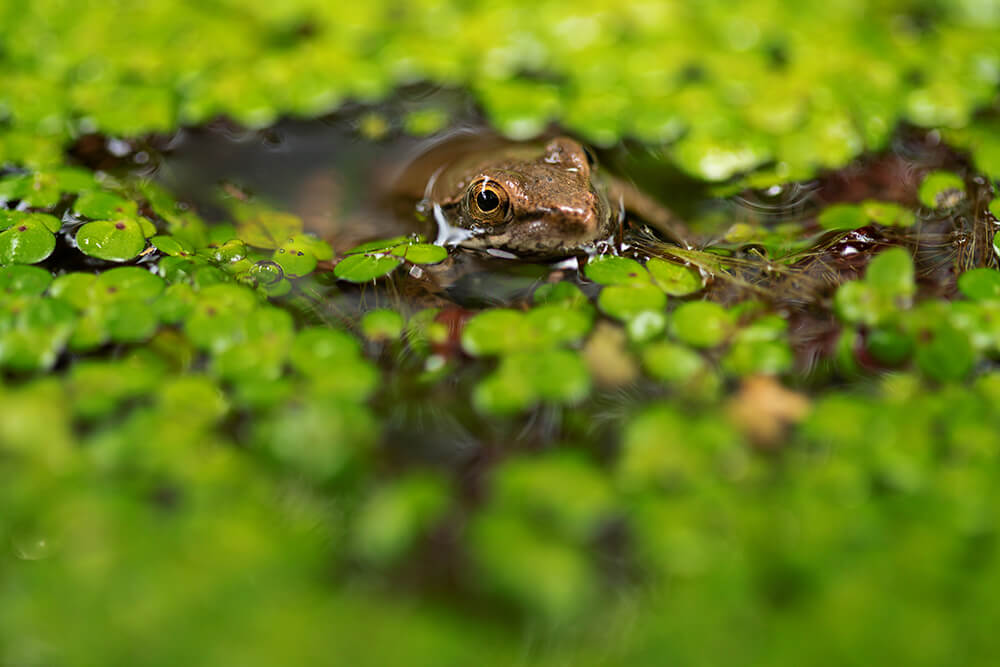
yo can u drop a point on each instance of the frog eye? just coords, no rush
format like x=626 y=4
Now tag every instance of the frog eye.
x=488 y=201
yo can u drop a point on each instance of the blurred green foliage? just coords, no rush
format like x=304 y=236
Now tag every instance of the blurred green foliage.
x=728 y=87
x=200 y=465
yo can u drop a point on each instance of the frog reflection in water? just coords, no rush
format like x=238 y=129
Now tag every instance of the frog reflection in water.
x=535 y=200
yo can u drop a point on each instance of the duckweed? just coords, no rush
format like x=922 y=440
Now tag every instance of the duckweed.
x=256 y=447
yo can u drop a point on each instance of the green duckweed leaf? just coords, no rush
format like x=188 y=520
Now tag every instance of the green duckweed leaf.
x=314 y=245
x=856 y=302
x=26 y=242
x=260 y=356
x=625 y=302
x=295 y=259
x=421 y=253
x=219 y=316
x=501 y=395
x=646 y=325
x=701 y=323
x=425 y=121
x=523 y=486
x=941 y=189
x=100 y=205
x=888 y=213
x=74 y=288
x=266 y=229
x=173 y=246
x=359 y=268
x=495 y=331
x=129 y=282
x=557 y=325
x=564 y=293
x=38 y=190
x=889 y=345
x=14 y=218
x=611 y=270
x=980 y=284
x=674 y=279
x=542 y=575
x=379 y=246
x=842 y=216
x=114 y=241
x=176 y=303
x=319 y=440
x=129 y=321
x=96 y=388
x=24 y=280
x=946 y=354
x=892 y=274
x=753 y=357
x=396 y=515
x=38 y=336
x=317 y=349
x=382 y=325
x=672 y=363
x=557 y=376
x=196 y=399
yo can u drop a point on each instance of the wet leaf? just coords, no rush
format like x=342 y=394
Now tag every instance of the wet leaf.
x=382 y=325
x=114 y=241
x=611 y=270
x=758 y=357
x=980 y=284
x=295 y=259
x=674 y=279
x=266 y=229
x=396 y=515
x=672 y=363
x=129 y=282
x=946 y=355
x=843 y=216
x=701 y=323
x=173 y=246
x=74 y=288
x=421 y=253
x=100 y=205
x=378 y=246
x=941 y=189
x=495 y=331
x=888 y=213
x=360 y=268
x=24 y=280
x=892 y=274
x=557 y=325
x=26 y=242
x=129 y=321
x=14 y=218
x=858 y=303
x=625 y=302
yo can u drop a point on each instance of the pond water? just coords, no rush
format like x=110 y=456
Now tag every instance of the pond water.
x=353 y=177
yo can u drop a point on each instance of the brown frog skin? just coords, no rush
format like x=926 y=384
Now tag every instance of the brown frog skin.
x=537 y=200
x=540 y=200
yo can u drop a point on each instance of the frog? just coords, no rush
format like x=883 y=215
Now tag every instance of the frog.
x=535 y=200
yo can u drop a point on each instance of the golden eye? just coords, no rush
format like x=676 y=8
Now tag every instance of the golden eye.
x=488 y=201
